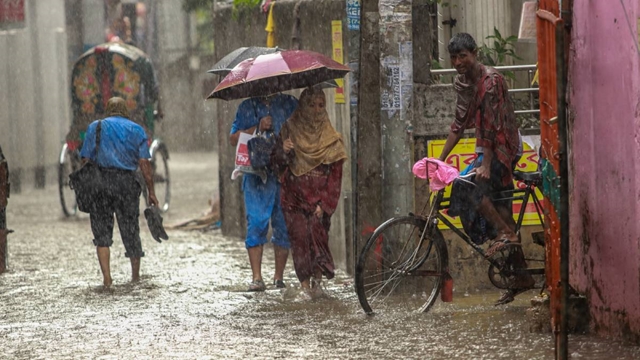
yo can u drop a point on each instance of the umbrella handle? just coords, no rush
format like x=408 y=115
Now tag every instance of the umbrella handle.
x=265 y=134
x=255 y=112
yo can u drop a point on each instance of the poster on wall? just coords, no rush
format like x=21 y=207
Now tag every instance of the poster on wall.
x=11 y=14
x=353 y=81
x=338 y=55
x=353 y=14
x=464 y=154
x=391 y=96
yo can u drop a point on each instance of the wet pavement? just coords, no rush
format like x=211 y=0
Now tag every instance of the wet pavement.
x=191 y=302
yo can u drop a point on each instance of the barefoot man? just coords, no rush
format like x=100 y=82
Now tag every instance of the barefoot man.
x=122 y=148
x=483 y=103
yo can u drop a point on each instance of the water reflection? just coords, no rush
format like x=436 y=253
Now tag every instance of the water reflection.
x=192 y=304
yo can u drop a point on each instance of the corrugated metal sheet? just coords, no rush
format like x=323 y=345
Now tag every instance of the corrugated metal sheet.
x=477 y=18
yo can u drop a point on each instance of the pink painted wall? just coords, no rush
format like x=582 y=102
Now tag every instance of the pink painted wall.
x=604 y=77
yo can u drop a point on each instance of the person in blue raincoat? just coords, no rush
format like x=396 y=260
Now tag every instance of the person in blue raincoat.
x=262 y=200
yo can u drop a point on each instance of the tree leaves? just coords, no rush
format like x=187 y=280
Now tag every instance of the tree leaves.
x=501 y=50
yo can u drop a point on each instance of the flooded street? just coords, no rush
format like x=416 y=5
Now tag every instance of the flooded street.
x=191 y=302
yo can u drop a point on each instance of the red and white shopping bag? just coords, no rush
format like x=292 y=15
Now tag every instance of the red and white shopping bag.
x=242 y=151
x=243 y=164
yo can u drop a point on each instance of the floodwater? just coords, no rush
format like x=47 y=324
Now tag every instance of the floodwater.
x=191 y=302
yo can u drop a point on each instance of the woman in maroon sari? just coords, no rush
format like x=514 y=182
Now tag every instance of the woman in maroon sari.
x=309 y=156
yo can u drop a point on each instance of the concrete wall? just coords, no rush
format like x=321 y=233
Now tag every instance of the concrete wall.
x=527 y=50
x=248 y=30
x=188 y=124
x=434 y=110
x=478 y=18
x=34 y=96
x=93 y=22
x=605 y=183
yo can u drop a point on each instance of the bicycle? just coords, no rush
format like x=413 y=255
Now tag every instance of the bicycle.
x=406 y=258
x=70 y=161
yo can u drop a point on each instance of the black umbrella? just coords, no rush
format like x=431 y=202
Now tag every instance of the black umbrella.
x=224 y=66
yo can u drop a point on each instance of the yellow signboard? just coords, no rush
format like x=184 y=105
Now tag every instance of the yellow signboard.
x=465 y=153
x=338 y=56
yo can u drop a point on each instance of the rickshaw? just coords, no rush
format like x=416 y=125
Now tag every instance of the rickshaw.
x=104 y=71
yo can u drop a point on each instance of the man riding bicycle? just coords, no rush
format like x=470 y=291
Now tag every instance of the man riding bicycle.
x=483 y=103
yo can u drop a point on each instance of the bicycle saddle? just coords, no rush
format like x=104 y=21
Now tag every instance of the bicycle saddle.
x=528 y=177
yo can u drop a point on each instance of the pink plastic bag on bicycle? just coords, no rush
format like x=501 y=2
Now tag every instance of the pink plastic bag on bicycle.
x=439 y=173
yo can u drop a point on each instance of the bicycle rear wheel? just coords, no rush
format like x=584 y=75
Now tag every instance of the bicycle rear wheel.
x=399 y=268
x=161 y=179
x=68 y=162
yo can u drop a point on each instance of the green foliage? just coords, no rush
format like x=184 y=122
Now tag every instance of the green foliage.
x=502 y=49
x=194 y=5
x=204 y=19
x=241 y=7
x=204 y=22
x=246 y=3
x=204 y=29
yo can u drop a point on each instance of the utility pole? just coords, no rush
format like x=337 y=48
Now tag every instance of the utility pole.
x=422 y=39
x=40 y=173
x=396 y=113
x=368 y=149
x=384 y=131
x=353 y=35
x=4 y=195
x=424 y=35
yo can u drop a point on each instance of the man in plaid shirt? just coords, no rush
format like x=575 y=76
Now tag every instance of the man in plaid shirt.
x=483 y=103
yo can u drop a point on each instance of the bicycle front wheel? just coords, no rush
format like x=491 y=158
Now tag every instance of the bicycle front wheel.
x=68 y=163
x=401 y=267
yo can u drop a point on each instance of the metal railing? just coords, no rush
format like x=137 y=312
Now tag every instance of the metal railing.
x=530 y=69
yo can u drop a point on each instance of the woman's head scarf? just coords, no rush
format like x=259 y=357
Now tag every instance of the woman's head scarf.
x=315 y=141
x=116 y=106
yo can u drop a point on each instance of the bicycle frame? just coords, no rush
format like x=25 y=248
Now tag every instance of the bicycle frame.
x=424 y=257
x=439 y=202
x=413 y=238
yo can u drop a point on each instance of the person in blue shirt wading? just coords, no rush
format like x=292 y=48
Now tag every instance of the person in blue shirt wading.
x=123 y=147
x=262 y=200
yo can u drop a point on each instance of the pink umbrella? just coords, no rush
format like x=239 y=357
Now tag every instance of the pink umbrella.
x=273 y=73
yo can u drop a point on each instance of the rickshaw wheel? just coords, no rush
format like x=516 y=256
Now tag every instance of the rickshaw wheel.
x=68 y=162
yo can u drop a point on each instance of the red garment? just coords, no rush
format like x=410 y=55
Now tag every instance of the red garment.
x=308 y=234
x=487 y=107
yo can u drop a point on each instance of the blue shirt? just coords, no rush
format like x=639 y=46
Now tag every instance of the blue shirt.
x=122 y=144
x=249 y=114
x=252 y=110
